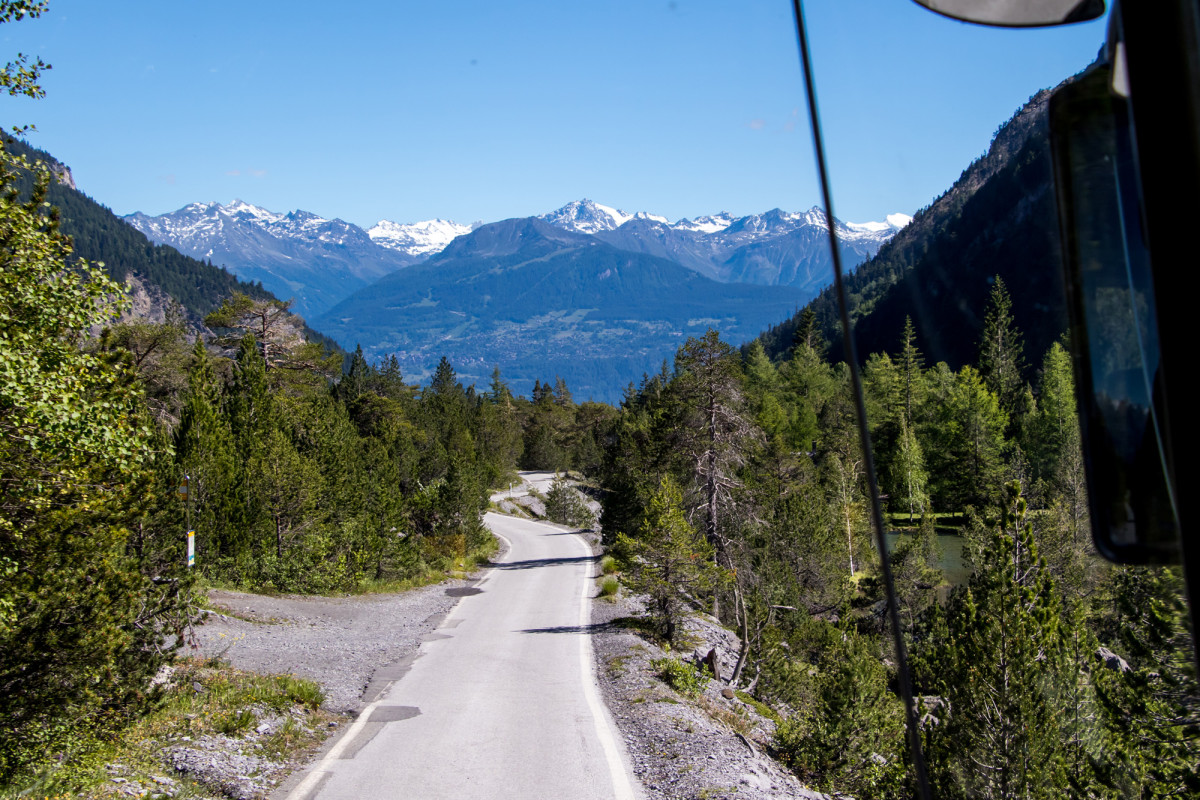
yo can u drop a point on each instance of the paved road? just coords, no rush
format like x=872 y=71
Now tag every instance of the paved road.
x=502 y=703
x=540 y=481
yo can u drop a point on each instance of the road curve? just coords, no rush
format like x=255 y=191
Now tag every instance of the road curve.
x=501 y=703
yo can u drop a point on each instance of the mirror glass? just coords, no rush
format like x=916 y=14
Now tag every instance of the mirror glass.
x=1111 y=300
x=1018 y=13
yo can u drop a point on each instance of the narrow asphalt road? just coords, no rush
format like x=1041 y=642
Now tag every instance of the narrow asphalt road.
x=502 y=701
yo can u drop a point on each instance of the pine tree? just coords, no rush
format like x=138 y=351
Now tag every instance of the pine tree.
x=1001 y=352
x=998 y=670
x=911 y=362
x=668 y=560
x=713 y=431
x=358 y=377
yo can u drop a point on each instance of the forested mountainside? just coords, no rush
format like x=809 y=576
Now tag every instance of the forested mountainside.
x=1038 y=670
x=997 y=219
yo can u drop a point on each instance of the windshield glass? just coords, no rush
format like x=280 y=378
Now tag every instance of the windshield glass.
x=459 y=401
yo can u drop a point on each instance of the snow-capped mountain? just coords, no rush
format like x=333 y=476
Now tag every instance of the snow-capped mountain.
x=775 y=248
x=317 y=261
x=417 y=239
x=584 y=216
x=299 y=256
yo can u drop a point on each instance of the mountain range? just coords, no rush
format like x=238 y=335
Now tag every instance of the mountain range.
x=317 y=262
x=539 y=302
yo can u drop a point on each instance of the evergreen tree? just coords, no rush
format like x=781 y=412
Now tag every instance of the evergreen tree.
x=1147 y=686
x=713 y=431
x=357 y=378
x=205 y=453
x=911 y=363
x=998 y=669
x=1001 y=352
x=970 y=426
x=668 y=560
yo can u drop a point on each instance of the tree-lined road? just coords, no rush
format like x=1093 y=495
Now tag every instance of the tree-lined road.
x=502 y=703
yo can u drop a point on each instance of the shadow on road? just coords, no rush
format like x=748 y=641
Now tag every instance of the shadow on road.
x=545 y=562
x=592 y=629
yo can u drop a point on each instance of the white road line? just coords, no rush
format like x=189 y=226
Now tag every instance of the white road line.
x=622 y=789
x=310 y=781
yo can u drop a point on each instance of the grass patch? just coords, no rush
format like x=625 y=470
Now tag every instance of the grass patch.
x=733 y=718
x=202 y=698
x=457 y=566
x=608 y=565
x=609 y=586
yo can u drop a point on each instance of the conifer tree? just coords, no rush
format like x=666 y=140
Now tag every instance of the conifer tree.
x=668 y=560
x=713 y=431
x=998 y=669
x=1001 y=352
x=911 y=363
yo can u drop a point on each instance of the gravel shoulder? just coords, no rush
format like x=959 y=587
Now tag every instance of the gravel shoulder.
x=352 y=646
x=709 y=746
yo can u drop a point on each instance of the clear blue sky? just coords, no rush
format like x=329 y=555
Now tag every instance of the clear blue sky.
x=484 y=110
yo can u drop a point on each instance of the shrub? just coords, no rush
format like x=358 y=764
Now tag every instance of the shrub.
x=683 y=678
x=566 y=506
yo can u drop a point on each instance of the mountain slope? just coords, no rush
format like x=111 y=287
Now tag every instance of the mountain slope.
x=998 y=218
x=539 y=301
x=100 y=235
x=299 y=256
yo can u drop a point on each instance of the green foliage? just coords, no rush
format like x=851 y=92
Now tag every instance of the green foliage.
x=668 y=560
x=1001 y=351
x=83 y=613
x=850 y=737
x=1151 y=697
x=686 y=679
x=566 y=506
x=998 y=665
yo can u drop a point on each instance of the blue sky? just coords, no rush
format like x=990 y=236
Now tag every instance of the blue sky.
x=485 y=110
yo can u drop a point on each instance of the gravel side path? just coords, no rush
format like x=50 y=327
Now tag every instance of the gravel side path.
x=352 y=646
x=712 y=746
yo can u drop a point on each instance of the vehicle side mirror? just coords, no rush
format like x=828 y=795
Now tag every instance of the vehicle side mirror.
x=1017 y=13
x=1114 y=332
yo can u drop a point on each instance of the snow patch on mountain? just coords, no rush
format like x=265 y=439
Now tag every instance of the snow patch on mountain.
x=708 y=224
x=584 y=216
x=418 y=238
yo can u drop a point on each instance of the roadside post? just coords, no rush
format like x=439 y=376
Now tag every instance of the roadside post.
x=184 y=491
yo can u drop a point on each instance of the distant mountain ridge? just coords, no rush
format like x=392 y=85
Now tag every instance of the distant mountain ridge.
x=540 y=301
x=317 y=262
x=299 y=256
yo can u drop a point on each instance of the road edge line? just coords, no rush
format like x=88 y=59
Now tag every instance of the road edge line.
x=622 y=787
